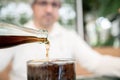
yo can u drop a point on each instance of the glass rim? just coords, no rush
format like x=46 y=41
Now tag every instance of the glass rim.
x=54 y=61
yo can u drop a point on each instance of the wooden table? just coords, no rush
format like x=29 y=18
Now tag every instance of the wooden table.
x=108 y=51
x=100 y=78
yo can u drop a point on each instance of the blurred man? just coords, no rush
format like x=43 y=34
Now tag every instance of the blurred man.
x=64 y=44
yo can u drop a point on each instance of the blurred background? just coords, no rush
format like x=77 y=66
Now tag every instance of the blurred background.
x=96 y=21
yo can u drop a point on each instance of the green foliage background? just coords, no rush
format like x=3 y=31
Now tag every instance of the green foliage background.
x=101 y=7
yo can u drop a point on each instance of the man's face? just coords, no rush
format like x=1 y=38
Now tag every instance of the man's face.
x=46 y=12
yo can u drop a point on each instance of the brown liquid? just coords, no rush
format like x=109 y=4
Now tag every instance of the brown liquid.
x=47 y=44
x=10 y=41
x=51 y=71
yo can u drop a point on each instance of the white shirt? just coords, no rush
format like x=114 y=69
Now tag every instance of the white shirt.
x=64 y=44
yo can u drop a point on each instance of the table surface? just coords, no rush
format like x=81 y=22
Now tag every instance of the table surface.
x=100 y=78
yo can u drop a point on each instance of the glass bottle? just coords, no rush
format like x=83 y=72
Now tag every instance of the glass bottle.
x=12 y=35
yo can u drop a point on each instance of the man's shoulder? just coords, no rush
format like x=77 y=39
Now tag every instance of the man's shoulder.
x=69 y=33
x=62 y=28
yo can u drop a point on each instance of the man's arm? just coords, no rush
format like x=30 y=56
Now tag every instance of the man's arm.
x=95 y=62
x=4 y=75
x=6 y=56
